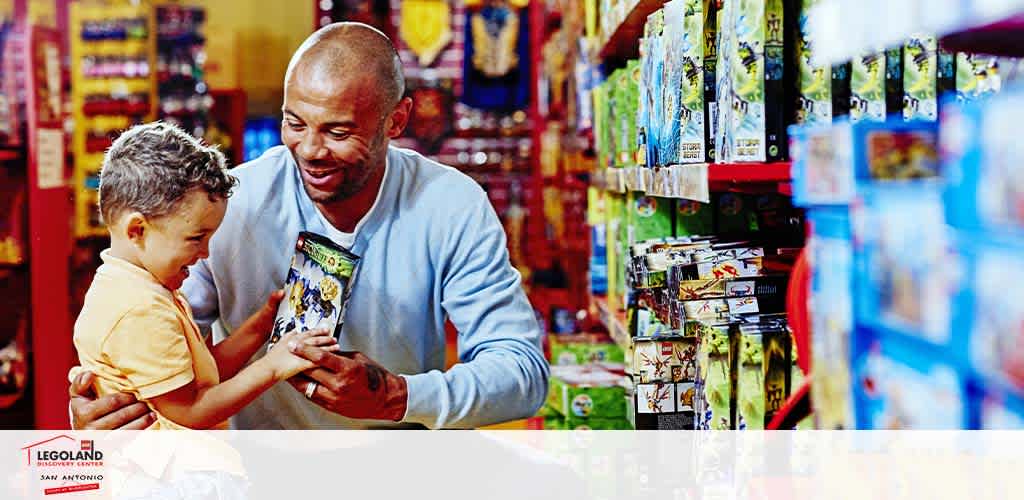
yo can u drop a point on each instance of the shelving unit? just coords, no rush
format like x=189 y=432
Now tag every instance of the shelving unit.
x=614 y=321
x=622 y=44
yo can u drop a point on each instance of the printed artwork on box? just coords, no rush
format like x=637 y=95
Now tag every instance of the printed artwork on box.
x=748 y=73
x=730 y=269
x=690 y=90
x=714 y=383
x=685 y=392
x=702 y=289
x=829 y=178
x=902 y=154
x=742 y=305
x=582 y=405
x=317 y=288
x=653 y=360
x=920 y=79
x=976 y=76
x=815 y=99
x=656 y=398
x=867 y=88
x=705 y=309
x=684 y=363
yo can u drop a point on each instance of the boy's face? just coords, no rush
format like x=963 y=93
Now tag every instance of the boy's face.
x=174 y=242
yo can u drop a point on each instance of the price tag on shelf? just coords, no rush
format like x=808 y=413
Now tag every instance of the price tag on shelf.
x=49 y=158
x=693 y=182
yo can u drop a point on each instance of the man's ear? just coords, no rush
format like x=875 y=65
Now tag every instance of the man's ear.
x=399 y=118
x=135 y=227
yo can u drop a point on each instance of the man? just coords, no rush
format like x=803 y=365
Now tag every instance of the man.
x=431 y=246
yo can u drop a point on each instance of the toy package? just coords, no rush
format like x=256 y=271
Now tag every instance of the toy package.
x=981 y=151
x=756 y=69
x=867 y=87
x=710 y=34
x=997 y=286
x=764 y=371
x=920 y=79
x=693 y=218
x=824 y=89
x=976 y=76
x=910 y=266
x=683 y=140
x=894 y=80
x=724 y=138
x=649 y=218
x=586 y=391
x=895 y=151
x=583 y=349
x=664 y=372
x=651 y=68
x=715 y=399
x=823 y=172
x=317 y=288
x=901 y=387
x=831 y=315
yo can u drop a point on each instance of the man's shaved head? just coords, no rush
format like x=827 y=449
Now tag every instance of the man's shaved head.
x=341 y=49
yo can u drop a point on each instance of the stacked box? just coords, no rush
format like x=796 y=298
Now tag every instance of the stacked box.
x=664 y=374
x=584 y=349
x=586 y=391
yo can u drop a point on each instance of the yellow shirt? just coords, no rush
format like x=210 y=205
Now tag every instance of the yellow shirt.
x=139 y=337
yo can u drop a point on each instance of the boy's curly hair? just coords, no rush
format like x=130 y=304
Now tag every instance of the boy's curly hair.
x=151 y=167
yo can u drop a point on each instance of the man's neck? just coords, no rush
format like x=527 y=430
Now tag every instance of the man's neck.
x=345 y=214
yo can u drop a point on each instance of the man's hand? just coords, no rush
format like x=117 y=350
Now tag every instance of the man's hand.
x=351 y=384
x=114 y=411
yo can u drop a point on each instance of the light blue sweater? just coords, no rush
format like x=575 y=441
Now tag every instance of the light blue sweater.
x=431 y=246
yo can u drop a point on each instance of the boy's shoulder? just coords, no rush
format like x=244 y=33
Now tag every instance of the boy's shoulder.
x=109 y=300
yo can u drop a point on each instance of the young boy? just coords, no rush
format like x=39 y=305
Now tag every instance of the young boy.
x=162 y=196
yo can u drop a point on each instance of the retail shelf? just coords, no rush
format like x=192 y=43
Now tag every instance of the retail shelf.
x=1001 y=38
x=614 y=321
x=694 y=182
x=624 y=41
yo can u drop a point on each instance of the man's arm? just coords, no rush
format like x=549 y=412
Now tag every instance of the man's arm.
x=502 y=373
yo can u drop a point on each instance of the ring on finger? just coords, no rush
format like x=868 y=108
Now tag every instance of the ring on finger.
x=310 y=389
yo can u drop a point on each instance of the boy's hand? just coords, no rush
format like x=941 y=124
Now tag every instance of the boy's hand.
x=262 y=321
x=286 y=365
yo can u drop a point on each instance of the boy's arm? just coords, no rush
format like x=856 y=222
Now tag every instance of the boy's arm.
x=209 y=406
x=235 y=351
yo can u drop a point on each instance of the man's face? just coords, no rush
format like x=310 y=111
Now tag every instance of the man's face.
x=335 y=129
x=176 y=241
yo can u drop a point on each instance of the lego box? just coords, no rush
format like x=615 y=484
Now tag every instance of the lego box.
x=586 y=391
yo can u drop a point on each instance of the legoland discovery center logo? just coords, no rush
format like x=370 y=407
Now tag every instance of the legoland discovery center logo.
x=63 y=464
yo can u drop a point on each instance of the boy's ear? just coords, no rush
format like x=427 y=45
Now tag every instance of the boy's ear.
x=135 y=227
